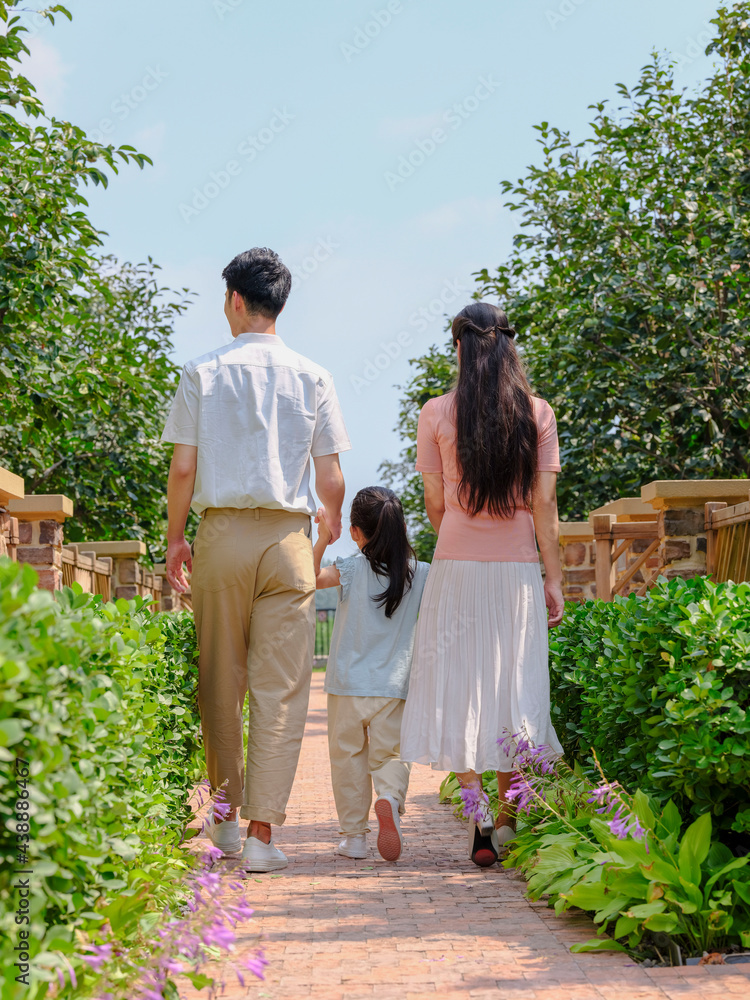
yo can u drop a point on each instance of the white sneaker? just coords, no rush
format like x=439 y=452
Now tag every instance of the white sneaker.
x=390 y=841
x=353 y=847
x=225 y=835
x=503 y=834
x=260 y=857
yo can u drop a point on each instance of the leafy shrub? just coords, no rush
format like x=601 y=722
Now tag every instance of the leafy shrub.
x=99 y=699
x=615 y=855
x=658 y=687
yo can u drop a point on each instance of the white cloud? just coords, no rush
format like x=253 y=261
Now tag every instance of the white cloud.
x=45 y=68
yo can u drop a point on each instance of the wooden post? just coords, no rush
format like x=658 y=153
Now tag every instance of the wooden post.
x=11 y=488
x=606 y=569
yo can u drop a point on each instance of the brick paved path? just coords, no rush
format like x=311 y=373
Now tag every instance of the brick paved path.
x=430 y=925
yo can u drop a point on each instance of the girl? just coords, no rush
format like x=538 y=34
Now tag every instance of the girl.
x=367 y=676
x=488 y=454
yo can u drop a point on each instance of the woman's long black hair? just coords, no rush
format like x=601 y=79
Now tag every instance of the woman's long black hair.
x=378 y=514
x=496 y=434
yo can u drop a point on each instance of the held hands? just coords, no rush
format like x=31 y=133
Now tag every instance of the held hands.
x=178 y=552
x=327 y=529
x=553 y=598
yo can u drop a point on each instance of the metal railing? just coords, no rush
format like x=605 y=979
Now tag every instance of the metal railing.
x=323 y=632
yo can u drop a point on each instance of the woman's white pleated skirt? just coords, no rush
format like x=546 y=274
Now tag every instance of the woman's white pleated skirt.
x=480 y=667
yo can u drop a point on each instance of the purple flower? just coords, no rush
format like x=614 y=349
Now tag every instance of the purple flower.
x=618 y=825
x=256 y=964
x=622 y=826
x=72 y=972
x=475 y=801
x=221 y=809
x=601 y=794
x=211 y=854
x=637 y=832
x=94 y=961
x=526 y=788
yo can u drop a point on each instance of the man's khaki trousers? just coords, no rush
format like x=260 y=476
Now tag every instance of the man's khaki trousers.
x=364 y=741
x=253 y=586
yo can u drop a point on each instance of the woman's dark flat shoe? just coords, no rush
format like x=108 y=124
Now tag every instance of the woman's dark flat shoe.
x=482 y=849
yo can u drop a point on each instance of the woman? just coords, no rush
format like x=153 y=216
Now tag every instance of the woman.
x=489 y=458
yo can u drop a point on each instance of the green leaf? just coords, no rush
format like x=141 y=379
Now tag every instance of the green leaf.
x=199 y=980
x=644 y=910
x=643 y=811
x=588 y=896
x=694 y=848
x=662 y=922
x=597 y=944
x=11 y=731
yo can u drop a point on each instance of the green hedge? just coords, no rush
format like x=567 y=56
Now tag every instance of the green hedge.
x=100 y=700
x=658 y=687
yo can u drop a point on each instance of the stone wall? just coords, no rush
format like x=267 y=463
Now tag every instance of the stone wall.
x=40 y=544
x=682 y=549
x=680 y=506
x=578 y=560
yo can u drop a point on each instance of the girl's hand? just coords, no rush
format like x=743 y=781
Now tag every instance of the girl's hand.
x=324 y=530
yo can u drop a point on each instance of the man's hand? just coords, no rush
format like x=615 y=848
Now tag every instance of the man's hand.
x=553 y=598
x=329 y=485
x=178 y=552
x=179 y=494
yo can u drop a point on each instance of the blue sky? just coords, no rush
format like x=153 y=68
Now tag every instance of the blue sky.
x=365 y=142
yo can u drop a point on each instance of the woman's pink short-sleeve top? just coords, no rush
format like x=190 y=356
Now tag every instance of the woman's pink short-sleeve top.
x=482 y=538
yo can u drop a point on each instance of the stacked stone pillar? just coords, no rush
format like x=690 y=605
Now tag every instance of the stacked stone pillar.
x=680 y=507
x=578 y=558
x=40 y=534
x=171 y=600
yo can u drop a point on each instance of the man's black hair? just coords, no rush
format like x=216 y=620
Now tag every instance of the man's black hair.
x=261 y=278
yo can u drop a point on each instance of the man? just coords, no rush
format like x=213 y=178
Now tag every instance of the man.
x=245 y=421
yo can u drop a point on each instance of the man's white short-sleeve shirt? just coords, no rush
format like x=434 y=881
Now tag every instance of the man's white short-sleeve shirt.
x=257 y=412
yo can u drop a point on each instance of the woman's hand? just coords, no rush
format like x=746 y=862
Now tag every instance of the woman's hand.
x=553 y=598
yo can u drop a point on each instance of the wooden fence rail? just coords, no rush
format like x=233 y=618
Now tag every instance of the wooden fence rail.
x=728 y=534
x=622 y=553
x=94 y=574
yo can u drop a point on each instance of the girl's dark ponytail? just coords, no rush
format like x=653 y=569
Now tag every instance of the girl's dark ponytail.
x=378 y=514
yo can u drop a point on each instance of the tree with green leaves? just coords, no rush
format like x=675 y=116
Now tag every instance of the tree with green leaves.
x=85 y=373
x=628 y=284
